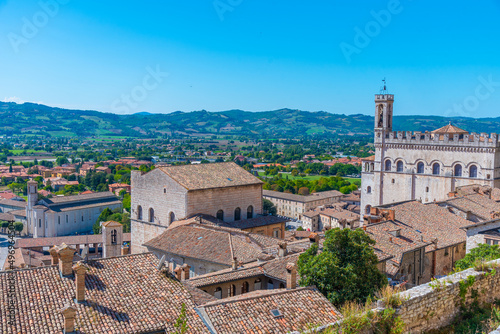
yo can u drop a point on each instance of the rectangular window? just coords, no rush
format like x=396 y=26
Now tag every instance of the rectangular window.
x=67 y=219
x=59 y=220
x=39 y=223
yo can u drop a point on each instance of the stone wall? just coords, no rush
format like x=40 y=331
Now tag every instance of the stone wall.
x=436 y=304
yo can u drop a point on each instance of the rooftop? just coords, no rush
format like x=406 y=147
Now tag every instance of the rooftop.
x=449 y=129
x=294 y=310
x=302 y=198
x=208 y=176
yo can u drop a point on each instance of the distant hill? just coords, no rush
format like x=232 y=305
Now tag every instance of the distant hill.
x=284 y=123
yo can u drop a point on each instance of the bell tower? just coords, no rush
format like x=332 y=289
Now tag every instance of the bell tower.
x=383 y=110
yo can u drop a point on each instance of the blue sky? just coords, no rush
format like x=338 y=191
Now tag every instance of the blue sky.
x=439 y=58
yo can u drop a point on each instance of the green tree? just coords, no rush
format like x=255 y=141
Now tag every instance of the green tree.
x=483 y=252
x=180 y=325
x=303 y=191
x=4 y=224
x=18 y=227
x=346 y=269
x=295 y=172
x=126 y=202
x=268 y=207
x=102 y=218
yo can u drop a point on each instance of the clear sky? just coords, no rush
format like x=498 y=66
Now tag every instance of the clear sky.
x=439 y=57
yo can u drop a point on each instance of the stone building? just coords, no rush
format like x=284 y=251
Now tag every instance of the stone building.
x=426 y=165
x=65 y=215
x=325 y=218
x=294 y=206
x=208 y=248
x=434 y=226
x=166 y=194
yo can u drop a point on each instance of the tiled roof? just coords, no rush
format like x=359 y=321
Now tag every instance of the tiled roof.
x=252 y=222
x=60 y=200
x=6 y=216
x=449 y=129
x=211 y=243
x=433 y=221
x=124 y=294
x=251 y=312
x=478 y=204
x=68 y=240
x=275 y=268
x=301 y=198
x=213 y=175
x=10 y=202
x=20 y=213
x=408 y=240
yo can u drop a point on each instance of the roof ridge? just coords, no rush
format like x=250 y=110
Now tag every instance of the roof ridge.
x=266 y=293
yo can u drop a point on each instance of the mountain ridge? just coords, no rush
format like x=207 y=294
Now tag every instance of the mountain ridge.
x=39 y=119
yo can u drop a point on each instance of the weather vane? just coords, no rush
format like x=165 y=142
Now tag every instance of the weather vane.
x=384 y=89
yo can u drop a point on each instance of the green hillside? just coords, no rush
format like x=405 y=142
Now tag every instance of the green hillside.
x=36 y=119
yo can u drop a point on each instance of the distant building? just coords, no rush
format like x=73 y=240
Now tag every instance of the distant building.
x=424 y=166
x=64 y=215
x=294 y=206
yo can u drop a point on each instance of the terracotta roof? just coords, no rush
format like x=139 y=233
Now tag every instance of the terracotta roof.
x=433 y=221
x=59 y=200
x=6 y=216
x=301 y=198
x=149 y=302
x=10 y=202
x=211 y=243
x=251 y=312
x=449 y=129
x=21 y=213
x=370 y=158
x=252 y=222
x=213 y=175
x=68 y=240
x=408 y=240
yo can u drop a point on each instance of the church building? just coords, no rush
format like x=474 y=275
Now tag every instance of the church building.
x=424 y=166
x=167 y=194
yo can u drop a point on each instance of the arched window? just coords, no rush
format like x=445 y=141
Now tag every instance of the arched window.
x=420 y=168
x=250 y=212
x=270 y=284
x=387 y=165
x=372 y=167
x=399 y=166
x=232 y=290
x=368 y=209
x=282 y=286
x=367 y=167
x=220 y=215
x=237 y=214
x=473 y=171
x=436 y=168
x=218 y=293
x=458 y=170
x=171 y=217
x=113 y=237
x=369 y=190
x=139 y=212
x=244 y=287
x=151 y=215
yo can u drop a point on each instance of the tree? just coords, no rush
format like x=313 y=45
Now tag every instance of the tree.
x=295 y=172
x=346 y=269
x=4 y=224
x=303 y=191
x=268 y=207
x=18 y=227
x=102 y=218
x=126 y=202
x=483 y=252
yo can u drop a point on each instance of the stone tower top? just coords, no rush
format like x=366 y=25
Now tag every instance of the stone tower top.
x=383 y=111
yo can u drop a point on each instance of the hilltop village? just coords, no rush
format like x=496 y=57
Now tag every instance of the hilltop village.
x=221 y=237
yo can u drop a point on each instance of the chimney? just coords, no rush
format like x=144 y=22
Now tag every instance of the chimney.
x=68 y=313
x=291 y=276
x=65 y=255
x=80 y=271
x=314 y=238
x=125 y=250
x=282 y=251
x=390 y=239
x=53 y=254
x=234 y=263
x=364 y=228
x=178 y=273
x=185 y=272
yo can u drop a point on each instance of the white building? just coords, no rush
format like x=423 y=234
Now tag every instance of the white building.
x=426 y=165
x=65 y=215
